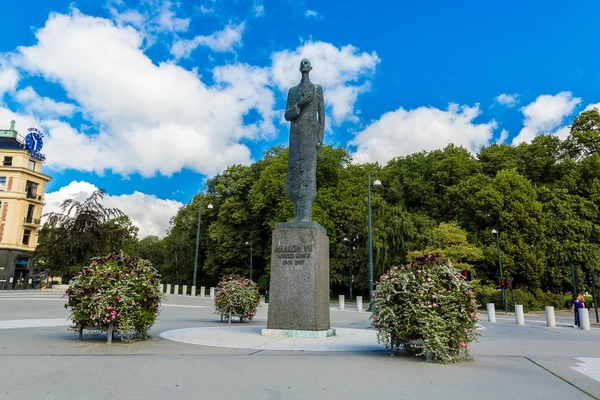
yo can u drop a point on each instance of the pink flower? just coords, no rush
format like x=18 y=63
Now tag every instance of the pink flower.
x=428 y=279
x=133 y=302
x=429 y=306
x=106 y=315
x=118 y=297
x=113 y=317
x=395 y=267
x=435 y=305
x=463 y=344
x=449 y=263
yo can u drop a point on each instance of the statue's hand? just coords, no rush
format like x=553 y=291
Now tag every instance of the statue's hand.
x=306 y=98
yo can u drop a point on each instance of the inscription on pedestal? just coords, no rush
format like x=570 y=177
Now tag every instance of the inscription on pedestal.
x=299 y=289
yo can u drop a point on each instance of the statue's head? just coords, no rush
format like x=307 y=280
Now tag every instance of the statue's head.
x=305 y=65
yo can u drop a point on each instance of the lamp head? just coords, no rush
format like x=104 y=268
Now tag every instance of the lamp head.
x=377 y=182
x=494 y=231
x=210 y=206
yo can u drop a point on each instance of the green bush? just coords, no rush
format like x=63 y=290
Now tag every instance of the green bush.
x=428 y=302
x=237 y=295
x=531 y=301
x=118 y=289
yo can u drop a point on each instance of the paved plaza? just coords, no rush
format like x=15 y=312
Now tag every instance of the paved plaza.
x=40 y=358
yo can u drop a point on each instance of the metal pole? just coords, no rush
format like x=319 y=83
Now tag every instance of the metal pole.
x=574 y=279
x=501 y=276
x=594 y=294
x=350 y=244
x=197 y=244
x=250 y=260
x=370 y=242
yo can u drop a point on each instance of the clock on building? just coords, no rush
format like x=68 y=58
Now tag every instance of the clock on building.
x=34 y=142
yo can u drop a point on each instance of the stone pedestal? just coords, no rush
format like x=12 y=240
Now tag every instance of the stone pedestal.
x=299 y=289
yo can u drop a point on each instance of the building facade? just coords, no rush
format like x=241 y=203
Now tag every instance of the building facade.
x=22 y=188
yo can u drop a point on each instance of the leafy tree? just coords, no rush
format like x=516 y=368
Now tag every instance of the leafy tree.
x=83 y=230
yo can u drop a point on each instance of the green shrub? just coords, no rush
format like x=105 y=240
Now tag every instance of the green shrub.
x=531 y=301
x=118 y=289
x=429 y=302
x=237 y=295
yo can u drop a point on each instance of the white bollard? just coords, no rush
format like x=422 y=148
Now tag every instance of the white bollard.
x=584 y=319
x=184 y=291
x=161 y=287
x=491 y=309
x=359 y=303
x=342 y=302
x=212 y=292
x=550 y=318
x=193 y=291
x=519 y=314
x=168 y=288
x=176 y=291
x=202 y=291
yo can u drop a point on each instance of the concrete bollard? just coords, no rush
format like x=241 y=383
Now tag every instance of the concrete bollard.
x=342 y=302
x=184 y=291
x=550 y=318
x=176 y=291
x=359 y=303
x=193 y=291
x=168 y=288
x=519 y=314
x=202 y=291
x=161 y=287
x=584 y=319
x=212 y=292
x=491 y=309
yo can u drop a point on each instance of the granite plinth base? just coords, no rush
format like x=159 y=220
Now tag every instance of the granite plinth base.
x=299 y=288
x=299 y=334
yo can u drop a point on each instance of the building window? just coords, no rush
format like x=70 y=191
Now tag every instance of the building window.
x=2 y=183
x=31 y=189
x=32 y=165
x=30 y=210
x=26 y=235
x=7 y=161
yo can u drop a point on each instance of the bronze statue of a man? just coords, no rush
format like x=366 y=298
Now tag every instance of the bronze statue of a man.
x=305 y=109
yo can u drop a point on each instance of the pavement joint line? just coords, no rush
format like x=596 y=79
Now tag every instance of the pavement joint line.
x=560 y=377
x=257 y=351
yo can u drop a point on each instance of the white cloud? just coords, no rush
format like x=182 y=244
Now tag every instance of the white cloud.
x=221 y=41
x=258 y=8
x=313 y=14
x=592 y=107
x=503 y=136
x=509 y=100
x=205 y=10
x=167 y=21
x=150 y=117
x=9 y=77
x=147 y=212
x=342 y=72
x=45 y=106
x=403 y=132
x=545 y=115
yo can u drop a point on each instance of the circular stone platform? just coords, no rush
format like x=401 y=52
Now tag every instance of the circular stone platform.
x=249 y=337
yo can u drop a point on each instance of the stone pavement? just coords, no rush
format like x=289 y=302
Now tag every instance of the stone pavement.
x=42 y=359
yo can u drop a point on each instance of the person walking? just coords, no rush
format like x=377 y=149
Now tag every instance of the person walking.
x=578 y=303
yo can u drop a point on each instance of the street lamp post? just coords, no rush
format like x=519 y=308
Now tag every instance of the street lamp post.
x=210 y=206
x=250 y=243
x=350 y=265
x=495 y=232
x=376 y=183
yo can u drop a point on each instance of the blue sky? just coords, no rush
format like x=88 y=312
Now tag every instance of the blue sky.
x=148 y=98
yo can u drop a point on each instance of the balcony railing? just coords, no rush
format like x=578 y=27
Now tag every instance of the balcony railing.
x=31 y=195
x=32 y=221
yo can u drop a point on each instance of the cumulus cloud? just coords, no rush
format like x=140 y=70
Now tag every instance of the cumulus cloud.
x=258 y=8
x=509 y=100
x=147 y=212
x=149 y=117
x=404 y=132
x=546 y=115
x=312 y=14
x=45 y=106
x=593 y=107
x=343 y=73
x=9 y=77
x=225 y=40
